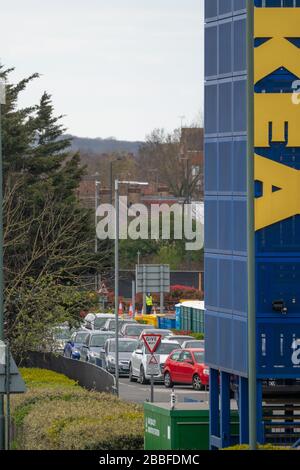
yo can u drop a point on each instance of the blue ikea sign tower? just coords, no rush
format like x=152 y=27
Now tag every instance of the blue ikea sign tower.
x=275 y=287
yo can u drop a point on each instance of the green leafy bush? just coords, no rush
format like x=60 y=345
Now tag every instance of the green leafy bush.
x=259 y=447
x=42 y=377
x=66 y=416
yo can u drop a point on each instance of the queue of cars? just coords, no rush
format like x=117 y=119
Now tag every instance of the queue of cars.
x=181 y=358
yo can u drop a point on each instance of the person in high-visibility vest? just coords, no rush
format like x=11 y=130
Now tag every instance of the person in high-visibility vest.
x=149 y=303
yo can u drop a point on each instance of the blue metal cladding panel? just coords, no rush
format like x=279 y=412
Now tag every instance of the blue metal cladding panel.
x=225 y=225
x=211 y=224
x=239 y=106
x=239 y=44
x=225 y=157
x=211 y=51
x=225 y=349
x=239 y=167
x=211 y=282
x=225 y=111
x=239 y=341
x=225 y=186
x=239 y=226
x=211 y=10
x=225 y=48
x=212 y=332
x=240 y=289
x=211 y=109
x=225 y=272
x=225 y=8
x=211 y=167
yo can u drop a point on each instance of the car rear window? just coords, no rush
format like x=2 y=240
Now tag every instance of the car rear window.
x=99 y=340
x=165 y=348
x=124 y=346
x=99 y=323
x=133 y=330
x=81 y=337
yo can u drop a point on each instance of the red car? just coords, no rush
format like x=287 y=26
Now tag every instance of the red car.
x=186 y=366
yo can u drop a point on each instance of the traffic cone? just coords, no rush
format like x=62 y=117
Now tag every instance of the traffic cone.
x=136 y=313
x=130 y=312
x=142 y=312
x=154 y=311
x=120 y=308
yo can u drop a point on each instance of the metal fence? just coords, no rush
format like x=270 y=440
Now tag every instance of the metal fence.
x=87 y=375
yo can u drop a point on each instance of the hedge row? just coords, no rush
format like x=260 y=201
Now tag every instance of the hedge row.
x=56 y=414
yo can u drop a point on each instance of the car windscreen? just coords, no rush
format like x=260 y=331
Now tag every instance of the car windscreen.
x=179 y=339
x=165 y=348
x=195 y=344
x=124 y=346
x=99 y=323
x=134 y=330
x=199 y=357
x=98 y=341
x=80 y=337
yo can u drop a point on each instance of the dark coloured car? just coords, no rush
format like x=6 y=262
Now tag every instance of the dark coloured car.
x=94 y=345
x=73 y=346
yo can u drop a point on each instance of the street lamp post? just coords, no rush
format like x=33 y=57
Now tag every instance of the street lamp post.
x=111 y=177
x=117 y=232
x=97 y=183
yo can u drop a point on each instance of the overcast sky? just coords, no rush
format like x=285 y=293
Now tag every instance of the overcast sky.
x=114 y=67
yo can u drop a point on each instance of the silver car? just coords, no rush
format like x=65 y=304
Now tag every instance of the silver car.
x=96 y=321
x=193 y=344
x=93 y=346
x=126 y=348
x=138 y=368
x=156 y=331
x=110 y=324
x=179 y=338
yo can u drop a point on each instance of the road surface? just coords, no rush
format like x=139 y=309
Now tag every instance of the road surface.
x=137 y=393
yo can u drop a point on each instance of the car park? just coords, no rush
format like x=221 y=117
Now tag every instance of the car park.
x=134 y=330
x=126 y=348
x=186 y=367
x=179 y=338
x=193 y=344
x=138 y=363
x=156 y=331
x=96 y=321
x=73 y=346
x=94 y=345
x=110 y=324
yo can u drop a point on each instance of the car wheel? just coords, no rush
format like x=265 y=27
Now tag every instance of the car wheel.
x=131 y=378
x=167 y=380
x=197 y=385
x=142 y=378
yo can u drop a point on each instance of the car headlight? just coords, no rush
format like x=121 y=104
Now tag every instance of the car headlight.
x=205 y=371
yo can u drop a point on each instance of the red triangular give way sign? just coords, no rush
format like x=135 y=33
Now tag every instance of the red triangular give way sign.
x=152 y=342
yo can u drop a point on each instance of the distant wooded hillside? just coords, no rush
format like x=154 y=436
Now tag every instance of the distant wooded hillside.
x=100 y=146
